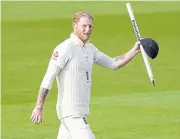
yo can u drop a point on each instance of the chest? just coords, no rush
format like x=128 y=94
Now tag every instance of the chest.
x=83 y=57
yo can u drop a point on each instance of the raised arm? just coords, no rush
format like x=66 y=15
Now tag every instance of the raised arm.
x=119 y=61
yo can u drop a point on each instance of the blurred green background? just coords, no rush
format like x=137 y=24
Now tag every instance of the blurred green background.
x=124 y=104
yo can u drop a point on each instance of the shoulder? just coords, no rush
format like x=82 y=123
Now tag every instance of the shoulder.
x=62 y=50
x=64 y=46
x=93 y=48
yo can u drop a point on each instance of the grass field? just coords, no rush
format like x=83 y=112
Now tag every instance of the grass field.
x=124 y=104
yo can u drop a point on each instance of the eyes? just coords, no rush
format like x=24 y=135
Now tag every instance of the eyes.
x=85 y=26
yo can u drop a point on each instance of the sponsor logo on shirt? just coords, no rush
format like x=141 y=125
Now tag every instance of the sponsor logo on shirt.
x=55 y=55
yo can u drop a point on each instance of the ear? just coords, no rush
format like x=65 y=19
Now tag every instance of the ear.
x=74 y=25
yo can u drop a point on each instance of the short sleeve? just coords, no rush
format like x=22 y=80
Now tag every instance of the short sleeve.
x=97 y=54
x=60 y=56
x=102 y=59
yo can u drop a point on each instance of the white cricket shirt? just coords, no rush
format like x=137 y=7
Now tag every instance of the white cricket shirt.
x=74 y=80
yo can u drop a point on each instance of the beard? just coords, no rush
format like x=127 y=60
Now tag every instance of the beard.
x=84 y=37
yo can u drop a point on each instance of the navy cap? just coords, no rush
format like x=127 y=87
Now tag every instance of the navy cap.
x=150 y=46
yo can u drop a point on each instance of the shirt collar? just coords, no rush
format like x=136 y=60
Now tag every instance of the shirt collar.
x=76 y=39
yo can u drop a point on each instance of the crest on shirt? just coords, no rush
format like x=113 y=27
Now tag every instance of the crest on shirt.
x=55 y=55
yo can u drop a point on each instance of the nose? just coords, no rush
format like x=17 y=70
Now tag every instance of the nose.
x=88 y=28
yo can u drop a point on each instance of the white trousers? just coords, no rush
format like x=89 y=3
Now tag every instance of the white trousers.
x=75 y=128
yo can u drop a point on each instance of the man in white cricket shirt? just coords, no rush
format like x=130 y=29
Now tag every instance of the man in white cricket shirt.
x=71 y=65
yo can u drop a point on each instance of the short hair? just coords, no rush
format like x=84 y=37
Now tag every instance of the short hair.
x=78 y=15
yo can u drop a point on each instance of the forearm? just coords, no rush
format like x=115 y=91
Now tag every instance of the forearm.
x=43 y=92
x=119 y=61
x=46 y=84
x=122 y=60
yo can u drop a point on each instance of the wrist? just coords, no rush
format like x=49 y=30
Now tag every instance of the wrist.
x=134 y=51
x=39 y=107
